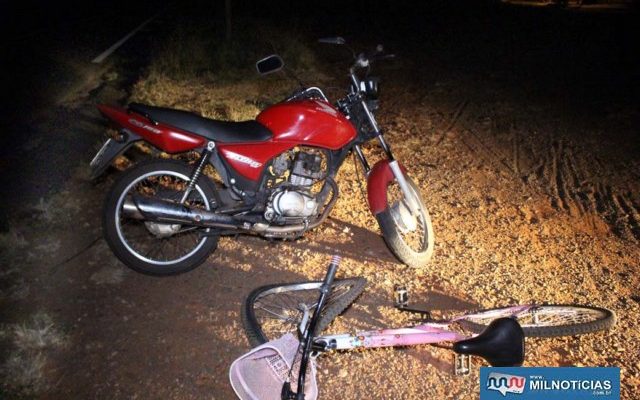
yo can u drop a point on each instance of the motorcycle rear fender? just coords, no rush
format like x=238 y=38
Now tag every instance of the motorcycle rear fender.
x=165 y=137
x=378 y=179
x=110 y=150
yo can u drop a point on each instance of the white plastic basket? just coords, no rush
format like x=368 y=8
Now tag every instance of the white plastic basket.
x=260 y=373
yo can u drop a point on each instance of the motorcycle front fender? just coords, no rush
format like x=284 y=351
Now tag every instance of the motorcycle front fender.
x=378 y=179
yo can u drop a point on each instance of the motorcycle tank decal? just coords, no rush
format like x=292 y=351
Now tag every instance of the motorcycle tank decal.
x=309 y=122
x=249 y=159
x=165 y=137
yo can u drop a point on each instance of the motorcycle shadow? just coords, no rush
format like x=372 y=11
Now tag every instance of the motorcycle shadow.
x=347 y=240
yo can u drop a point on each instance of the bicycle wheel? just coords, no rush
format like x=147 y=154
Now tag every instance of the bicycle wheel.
x=273 y=310
x=547 y=320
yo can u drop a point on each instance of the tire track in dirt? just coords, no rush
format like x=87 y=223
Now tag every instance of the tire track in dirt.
x=579 y=192
x=578 y=182
x=560 y=169
x=627 y=219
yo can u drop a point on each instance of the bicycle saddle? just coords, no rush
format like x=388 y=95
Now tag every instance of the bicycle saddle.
x=501 y=344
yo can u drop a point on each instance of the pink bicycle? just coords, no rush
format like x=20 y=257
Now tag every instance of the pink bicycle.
x=496 y=335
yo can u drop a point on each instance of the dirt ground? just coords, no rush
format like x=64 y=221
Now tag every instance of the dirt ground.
x=534 y=197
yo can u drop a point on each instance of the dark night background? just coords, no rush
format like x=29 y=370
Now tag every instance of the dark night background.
x=564 y=78
x=589 y=59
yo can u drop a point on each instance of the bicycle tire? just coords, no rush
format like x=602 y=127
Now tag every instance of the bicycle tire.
x=253 y=324
x=579 y=320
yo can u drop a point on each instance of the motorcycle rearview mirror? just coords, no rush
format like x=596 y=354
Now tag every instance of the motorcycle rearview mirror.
x=333 y=40
x=269 y=64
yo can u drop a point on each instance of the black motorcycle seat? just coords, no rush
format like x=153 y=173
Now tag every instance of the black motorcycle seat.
x=501 y=344
x=218 y=131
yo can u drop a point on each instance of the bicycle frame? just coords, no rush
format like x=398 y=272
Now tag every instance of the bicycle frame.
x=425 y=333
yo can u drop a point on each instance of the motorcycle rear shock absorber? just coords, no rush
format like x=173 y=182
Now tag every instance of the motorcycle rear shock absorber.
x=204 y=158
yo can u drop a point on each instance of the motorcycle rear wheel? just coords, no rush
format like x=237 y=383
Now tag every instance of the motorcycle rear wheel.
x=134 y=242
x=409 y=237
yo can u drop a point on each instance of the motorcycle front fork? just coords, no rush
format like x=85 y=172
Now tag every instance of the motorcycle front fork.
x=393 y=164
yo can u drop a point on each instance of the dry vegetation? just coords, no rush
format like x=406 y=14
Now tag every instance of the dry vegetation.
x=217 y=78
x=25 y=368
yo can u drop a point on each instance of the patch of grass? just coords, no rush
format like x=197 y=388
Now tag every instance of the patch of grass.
x=12 y=240
x=24 y=369
x=37 y=333
x=12 y=249
x=196 y=70
x=108 y=275
x=45 y=208
x=186 y=53
x=197 y=50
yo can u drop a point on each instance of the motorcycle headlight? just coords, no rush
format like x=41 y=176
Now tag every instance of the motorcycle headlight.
x=369 y=86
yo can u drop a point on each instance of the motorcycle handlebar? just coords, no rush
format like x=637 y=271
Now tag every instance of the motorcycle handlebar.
x=364 y=61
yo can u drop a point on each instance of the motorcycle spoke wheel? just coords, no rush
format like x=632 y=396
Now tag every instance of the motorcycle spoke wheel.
x=412 y=228
x=155 y=248
x=408 y=235
x=176 y=243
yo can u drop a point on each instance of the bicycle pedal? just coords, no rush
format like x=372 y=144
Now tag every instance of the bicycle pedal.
x=401 y=296
x=462 y=364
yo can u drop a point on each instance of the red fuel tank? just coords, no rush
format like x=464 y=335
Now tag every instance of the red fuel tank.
x=308 y=122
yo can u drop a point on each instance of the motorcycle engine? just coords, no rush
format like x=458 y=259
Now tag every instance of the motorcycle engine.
x=293 y=203
x=293 y=195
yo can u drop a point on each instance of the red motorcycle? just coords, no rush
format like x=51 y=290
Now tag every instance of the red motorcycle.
x=276 y=176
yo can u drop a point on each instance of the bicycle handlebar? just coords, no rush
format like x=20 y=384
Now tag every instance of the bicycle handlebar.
x=325 y=290
x=331 y=273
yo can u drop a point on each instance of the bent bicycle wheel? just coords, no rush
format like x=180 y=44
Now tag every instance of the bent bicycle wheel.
x=547 y=320
x=273 y=310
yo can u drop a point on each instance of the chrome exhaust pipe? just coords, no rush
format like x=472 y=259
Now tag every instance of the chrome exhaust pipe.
x=267 y=230
x=162 y=211
x=150 y=209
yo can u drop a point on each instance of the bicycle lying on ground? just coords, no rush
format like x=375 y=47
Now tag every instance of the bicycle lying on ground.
x=269 y=312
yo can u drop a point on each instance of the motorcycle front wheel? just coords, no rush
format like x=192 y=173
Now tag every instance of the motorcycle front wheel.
x=409 y=236
x=156 y=248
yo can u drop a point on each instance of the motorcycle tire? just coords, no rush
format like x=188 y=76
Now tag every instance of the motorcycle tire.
x=113 y=226
x=394 y=236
